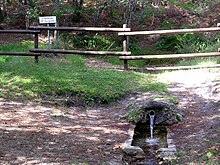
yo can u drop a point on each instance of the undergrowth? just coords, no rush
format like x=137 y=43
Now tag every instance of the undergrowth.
x=191 y=43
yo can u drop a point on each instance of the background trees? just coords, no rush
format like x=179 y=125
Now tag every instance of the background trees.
x=141 y=14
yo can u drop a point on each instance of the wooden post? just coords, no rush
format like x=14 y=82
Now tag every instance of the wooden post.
x=125 y=47
x=36 y=46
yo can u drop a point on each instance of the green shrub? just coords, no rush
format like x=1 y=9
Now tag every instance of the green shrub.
x=186 y=43
x=90 y=41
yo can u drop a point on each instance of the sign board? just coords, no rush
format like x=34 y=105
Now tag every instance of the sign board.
x=47 y=19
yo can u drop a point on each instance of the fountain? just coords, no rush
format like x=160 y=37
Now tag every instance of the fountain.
x=150 y=141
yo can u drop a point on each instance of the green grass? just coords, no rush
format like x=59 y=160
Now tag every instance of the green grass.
x=23 y=46
x=68 y=79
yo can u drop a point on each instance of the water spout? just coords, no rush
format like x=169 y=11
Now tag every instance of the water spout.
x=152 y=115
x=151 y=140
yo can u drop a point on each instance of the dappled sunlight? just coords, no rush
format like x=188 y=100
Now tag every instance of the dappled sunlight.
x=14 y=85
x=199 y=101
x=189 y=77
x=30 y=133
x=214 y=117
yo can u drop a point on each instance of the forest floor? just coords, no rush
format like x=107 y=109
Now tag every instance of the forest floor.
x=36 y=134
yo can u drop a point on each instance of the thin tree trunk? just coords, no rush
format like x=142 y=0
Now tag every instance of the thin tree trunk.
x=131 y=4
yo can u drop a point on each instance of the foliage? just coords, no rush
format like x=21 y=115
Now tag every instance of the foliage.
x=186 y=43
x=133 y=114
x=145 y=13
x=65 y=9
x=33 y=13
x=90 y=41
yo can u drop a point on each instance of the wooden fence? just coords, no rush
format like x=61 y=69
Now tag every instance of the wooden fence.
x=124 y=52
x=166 y=32
x=35 y=32
x=125 y=32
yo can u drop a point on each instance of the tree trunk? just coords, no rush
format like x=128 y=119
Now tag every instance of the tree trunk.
x=130 y=9
x=1 y=16
x=77 y=4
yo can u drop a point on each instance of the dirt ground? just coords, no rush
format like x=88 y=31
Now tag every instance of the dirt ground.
x=197 y=137
x=31 y=134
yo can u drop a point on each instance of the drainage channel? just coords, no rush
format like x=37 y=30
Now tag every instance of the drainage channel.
x=150 y=146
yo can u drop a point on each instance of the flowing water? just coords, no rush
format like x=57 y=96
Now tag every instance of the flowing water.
x=150 y=138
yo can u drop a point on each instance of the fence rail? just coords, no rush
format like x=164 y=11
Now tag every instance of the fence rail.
x=166 y=32
x=17 y=31
x=94 y=29
x=19 y=54
x=174 y=31
x=21 y=31
x=62 y=51
x=164 y=56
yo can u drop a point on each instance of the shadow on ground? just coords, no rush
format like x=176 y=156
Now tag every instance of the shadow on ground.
x=35 y=134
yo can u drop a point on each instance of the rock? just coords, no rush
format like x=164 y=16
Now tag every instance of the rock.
x=132 y=150
x=166 y=113
x=167 y=155
x=173 y=149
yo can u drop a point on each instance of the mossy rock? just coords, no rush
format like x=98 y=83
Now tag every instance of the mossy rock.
x=166 y=113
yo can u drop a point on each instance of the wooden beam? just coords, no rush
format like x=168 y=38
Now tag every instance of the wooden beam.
x=112 y=53
x=173 y=31
x=95 y=29
x=164 y=56
x=19 y=54
x=179 y=67
x=36 y=59
x=21 y=31
x=125 y=47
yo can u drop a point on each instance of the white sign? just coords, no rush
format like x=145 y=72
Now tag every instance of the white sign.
x=47 y=19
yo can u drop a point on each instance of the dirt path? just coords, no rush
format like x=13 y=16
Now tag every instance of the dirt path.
x=31 y=134
x=197 y=137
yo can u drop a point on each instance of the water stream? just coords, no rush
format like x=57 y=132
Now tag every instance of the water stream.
x=152 y=140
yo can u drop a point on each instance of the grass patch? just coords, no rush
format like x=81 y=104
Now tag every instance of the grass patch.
x=68 y=80
x=23 y=46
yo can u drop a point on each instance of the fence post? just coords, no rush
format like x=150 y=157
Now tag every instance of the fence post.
x=36 y=46
x=125 y=47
